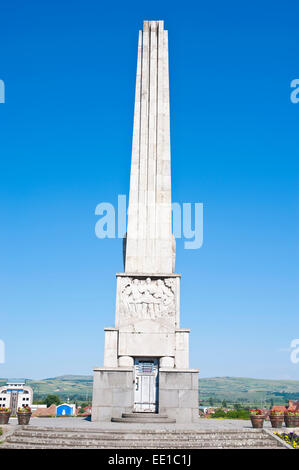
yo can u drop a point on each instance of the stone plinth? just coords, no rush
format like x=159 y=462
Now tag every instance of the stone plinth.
x=178 y=394
x=112 y=393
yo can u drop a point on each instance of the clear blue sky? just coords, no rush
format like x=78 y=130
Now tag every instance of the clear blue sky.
x=65 y=146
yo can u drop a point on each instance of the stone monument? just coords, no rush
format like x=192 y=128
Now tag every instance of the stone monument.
x=146 y=360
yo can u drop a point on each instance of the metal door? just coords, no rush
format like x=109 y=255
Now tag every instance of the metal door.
x=146 y=385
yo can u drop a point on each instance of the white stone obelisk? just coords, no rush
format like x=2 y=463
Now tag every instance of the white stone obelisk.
x=146 y=360
x=149 y=235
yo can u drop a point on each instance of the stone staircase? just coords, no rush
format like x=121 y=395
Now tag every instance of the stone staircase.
x=143 y=418
x=34 y=437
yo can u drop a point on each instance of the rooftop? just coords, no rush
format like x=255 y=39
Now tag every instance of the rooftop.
x=15 y=381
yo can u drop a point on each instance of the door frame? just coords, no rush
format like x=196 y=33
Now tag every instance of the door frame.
x=137 y=380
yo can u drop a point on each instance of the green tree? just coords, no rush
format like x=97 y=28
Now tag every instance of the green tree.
x=211 y=401
x=84 y=404
x=238 y=414
x=219 y=413
x=224 y=404
x=271 y=403
x=52 y=400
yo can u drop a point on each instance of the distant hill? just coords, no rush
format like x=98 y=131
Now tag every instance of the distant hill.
x=74 y=387
x=231 y=389
x=247 y=390
x=71 y=378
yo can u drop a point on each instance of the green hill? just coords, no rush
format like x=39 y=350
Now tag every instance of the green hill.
x=74 y=387
x=247 y=390
x=243 y=390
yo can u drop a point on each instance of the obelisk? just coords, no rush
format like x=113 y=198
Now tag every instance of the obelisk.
x=146 y=359
x=149 y=235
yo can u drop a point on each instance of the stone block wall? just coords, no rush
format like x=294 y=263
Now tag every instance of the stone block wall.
x=112 y=393
x=178 y=394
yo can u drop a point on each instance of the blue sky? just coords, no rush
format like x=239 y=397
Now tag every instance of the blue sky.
x=65 y=146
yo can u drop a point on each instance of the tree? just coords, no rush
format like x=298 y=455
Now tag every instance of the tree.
x=237 y=406
x=219 y=413
x=211 y=401
x=52 y=400
x=224 y=404
x=84 y=404
x=271 y=403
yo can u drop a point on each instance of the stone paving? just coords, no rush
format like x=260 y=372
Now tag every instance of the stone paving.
x=76 y=423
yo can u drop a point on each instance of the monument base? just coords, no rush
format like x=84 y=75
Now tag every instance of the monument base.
x=113 y=393
x=178 y=394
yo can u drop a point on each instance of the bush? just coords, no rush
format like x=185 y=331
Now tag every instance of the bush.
x=238 y=414
x=219 y=413
x=231 y=414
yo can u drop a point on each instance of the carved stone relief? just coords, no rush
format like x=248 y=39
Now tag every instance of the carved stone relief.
x=147 y=298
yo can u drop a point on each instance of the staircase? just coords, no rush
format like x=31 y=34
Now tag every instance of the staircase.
x=143 y=418
x=34 y=437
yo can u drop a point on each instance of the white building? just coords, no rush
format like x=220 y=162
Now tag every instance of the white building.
x=37 y=407
x=15 y=394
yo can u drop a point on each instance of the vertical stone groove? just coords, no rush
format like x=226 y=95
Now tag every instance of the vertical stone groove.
x=149 y=238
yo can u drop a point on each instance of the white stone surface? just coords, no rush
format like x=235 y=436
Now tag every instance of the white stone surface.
x=146 y=344
x=182 y=349
x=149 y=246
x=178 y=394
x=110 y=352
x=147 y=303
x=112 y=392
x=147 y=316
x=167 y=361
x=125 y=361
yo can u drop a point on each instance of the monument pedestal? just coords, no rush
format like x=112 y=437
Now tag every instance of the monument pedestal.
x=146 y=360
x=113 y=393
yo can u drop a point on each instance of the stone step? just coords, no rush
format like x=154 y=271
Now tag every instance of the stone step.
x=39 y=437
x=144 y=415
x=143 y=420
x=55 y=439
x=252 y=444
x=138 y=432
x=144 y=448
x=132 y=443
x=193 y=436
x=135 y=417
